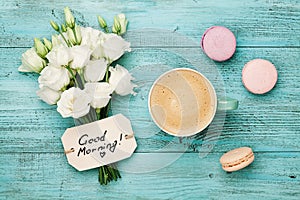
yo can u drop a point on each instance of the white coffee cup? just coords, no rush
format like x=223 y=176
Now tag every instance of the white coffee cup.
x=183 y=102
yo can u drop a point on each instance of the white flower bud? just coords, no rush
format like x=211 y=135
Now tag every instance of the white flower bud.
x=117 y=26
x=32 y=62
x=75 y=39
x=63 y=28
x=48 y=44
x=102 y=22
x=70 y=21
x=54 y=25
x=123 y=23
x=40 y=48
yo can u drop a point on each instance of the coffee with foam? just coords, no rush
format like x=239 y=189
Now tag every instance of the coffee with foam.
x=182 y=102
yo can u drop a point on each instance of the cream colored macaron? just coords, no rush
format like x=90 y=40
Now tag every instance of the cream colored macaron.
x=237 y=159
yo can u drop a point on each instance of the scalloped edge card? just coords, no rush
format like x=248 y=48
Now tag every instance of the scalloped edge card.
x=99 y=143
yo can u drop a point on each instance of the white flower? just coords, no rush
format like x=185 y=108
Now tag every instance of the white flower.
x=31 y=62
x=95 y=70
x=90 y=37
x=98 y=52
x=58 y=40
x=54 y=77
x=74 y=102
x=120 y=24
x=102 y=22
x=74 y=40
x=55 y=40
x=99 y=92
x=54 y=25
x=114 y=46
x=48 y=95
x=120 y=79
x=48 y=44
x=81 y=55
x=111 y=47
x=40 y=48
x=70 y=20
x=59 y=56
x=123 y=22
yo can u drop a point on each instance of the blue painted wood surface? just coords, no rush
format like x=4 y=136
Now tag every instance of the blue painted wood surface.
x=32 y=165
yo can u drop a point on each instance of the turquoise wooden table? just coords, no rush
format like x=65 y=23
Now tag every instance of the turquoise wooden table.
x=32 y=163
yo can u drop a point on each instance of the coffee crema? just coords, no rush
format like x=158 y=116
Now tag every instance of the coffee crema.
x=182 y=102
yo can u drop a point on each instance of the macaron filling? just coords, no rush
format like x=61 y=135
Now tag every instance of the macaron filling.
x=239 y=161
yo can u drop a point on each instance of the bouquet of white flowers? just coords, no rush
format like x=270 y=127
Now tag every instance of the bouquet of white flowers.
x=76 y=71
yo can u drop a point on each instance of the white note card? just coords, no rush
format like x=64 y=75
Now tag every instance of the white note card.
x=99 y=143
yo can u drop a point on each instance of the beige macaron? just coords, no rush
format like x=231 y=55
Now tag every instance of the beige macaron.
x=237 y=159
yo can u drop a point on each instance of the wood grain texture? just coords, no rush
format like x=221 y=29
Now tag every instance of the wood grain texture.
x=255 y=23
x=46 y=175
x=258 y=118
x=164 y=35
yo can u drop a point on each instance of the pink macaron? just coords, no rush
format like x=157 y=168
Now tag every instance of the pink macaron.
x=218 y=43
x=259 y=76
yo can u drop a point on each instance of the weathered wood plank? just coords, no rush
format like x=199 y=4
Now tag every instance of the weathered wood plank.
x=29 y=125
x=255 y=23
x=48 y=176
x=32 y=165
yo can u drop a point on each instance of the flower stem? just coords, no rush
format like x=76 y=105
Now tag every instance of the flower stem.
x=66 y=41
x=80 y=79
x=106 y=74
x=74 y=32
x=98 y=112
x=72 y=74
x=108 y=173
x=107 y=108
x=105 y=175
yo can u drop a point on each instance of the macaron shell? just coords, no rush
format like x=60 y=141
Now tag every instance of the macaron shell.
x=235 y=154
x=239 y=166
x=237 y=158
x=218 y=43
x=259 y=76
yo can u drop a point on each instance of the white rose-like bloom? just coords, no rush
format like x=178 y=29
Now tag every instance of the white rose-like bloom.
x=95 y=70
x=99 y=92
x=114 y=47
x=48 y=95
x=111 y=47
x=90 y=37
x=59 y=56
x=120 y=79
x=32 y=62
x=54 y=77
x=74 y=102
x=98 y=52
x=81 y=55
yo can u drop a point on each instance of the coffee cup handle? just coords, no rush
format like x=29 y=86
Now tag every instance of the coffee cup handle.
x=227 y=103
